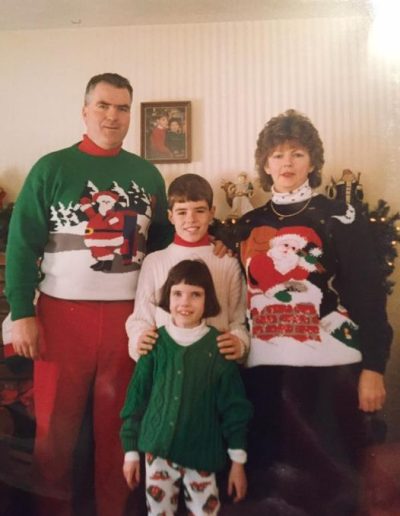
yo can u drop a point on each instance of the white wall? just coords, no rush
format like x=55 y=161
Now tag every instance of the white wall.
x=236 y=74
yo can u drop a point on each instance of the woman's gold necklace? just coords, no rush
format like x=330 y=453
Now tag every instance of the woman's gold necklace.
x=282 y=216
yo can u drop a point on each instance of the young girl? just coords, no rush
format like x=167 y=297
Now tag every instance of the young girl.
x=186 y=404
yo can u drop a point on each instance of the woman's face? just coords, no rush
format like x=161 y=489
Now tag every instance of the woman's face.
x=288 y=165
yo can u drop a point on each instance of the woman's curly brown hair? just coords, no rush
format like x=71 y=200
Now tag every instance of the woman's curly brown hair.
x=290 y=125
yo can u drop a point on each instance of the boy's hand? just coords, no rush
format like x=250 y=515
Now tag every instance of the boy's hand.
x=371 y=391
x=146 y=341
x=231 y=346
x=131 y=471
x=237 y=482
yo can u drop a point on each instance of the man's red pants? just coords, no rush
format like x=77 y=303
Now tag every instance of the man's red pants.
x=84 y=353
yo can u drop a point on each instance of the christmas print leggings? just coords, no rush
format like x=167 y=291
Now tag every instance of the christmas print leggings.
x=163 y=482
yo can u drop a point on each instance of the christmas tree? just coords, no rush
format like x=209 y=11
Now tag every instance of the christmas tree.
x=385 y=229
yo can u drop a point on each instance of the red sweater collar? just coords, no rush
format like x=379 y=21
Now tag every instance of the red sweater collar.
x=89 y=147
x=204 y=241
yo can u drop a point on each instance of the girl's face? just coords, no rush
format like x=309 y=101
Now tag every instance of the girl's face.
x=186 y=304
x=288 y=165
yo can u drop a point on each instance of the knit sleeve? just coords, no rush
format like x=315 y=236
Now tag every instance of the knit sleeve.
x=360 y=288
x=27 y=238
x=137 y=398
x=161 y=231
x=237 y=302
x=144 y=314
x=234 y=408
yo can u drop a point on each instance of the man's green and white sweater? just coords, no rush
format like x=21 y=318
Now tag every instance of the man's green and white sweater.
x=80 y=227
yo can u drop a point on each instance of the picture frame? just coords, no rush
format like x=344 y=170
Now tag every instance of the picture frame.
x=166 y=132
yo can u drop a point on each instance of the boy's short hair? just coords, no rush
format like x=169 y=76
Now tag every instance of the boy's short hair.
x=191 y=272
x=290 y=125
x=189 y=187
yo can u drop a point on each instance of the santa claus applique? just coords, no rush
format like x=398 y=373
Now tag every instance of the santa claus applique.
x=282 y=299
x=109 y=231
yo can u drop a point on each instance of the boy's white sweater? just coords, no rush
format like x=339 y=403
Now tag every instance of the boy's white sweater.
x=229 y=286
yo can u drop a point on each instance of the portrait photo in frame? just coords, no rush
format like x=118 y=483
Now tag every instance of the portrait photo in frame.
x=165 y=135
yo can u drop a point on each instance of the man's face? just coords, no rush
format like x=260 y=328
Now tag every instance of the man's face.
x=107 y=115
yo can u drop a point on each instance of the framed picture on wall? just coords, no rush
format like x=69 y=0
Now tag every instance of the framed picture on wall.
x=165 y=131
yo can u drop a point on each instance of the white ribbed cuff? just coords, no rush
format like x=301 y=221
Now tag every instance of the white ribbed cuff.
x=131 y=456
x=239 y=456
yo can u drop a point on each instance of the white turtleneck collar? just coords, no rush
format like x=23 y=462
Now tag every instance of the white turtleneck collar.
x=187 y=336
x=302 y=193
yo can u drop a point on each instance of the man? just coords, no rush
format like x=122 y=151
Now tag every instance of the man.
x=76 y=334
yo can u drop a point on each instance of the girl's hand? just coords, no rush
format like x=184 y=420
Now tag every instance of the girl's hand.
x=146 y=341
x=371 y=391
x=131 y=471
x=231 y=346
x=237 y=482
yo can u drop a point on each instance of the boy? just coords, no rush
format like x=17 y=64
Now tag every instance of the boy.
x=190 y=210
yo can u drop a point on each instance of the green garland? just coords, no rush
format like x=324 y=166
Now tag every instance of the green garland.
x=386 y=234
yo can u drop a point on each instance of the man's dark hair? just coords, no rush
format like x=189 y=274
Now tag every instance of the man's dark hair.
x=191 y=272
x=189 y=187
x=109 y=78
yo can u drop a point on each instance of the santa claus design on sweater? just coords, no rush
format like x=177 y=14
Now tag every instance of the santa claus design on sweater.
x=111 y=224
x=109 y=231
x=284 y=300
x=280 y=274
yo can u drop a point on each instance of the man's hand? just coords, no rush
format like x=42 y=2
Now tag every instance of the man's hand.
x=371 y=391
x=231 y=346
x=25 y=337
x=131 y=471
x=146 y=341
x=237 y=482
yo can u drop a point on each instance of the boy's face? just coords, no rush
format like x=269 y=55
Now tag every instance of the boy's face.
x=162 y=122
x=174 y=127
x=191 y=219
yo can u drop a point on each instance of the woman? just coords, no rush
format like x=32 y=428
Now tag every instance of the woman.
x=320 y=336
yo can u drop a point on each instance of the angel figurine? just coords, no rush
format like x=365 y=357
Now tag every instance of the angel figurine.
x=238 y=194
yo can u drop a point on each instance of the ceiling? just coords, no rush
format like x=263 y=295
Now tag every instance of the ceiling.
x=52 y=14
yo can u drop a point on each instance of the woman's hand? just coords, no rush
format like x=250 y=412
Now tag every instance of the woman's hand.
x=371 y=391
x=220 y=249
x=146 y=341
x=237 y=482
